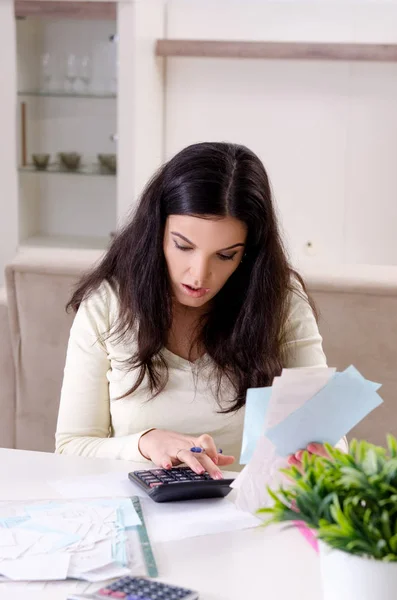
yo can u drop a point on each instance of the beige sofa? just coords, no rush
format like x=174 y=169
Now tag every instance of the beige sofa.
x=358 y=320
x=38 y=284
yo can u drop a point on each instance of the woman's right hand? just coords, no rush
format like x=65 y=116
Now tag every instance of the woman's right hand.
x=168 y=448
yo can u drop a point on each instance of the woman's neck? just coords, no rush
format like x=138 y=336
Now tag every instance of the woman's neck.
x=184 y=332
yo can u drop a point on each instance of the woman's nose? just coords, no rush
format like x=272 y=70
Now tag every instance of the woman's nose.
x=200 y=270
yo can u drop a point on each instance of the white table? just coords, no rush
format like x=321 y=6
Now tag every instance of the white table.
x=257 y=564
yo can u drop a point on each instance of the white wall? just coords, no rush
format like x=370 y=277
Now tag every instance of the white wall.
x=326 y=131
x=8 y=175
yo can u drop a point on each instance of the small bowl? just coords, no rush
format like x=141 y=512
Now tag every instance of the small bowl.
x=108 y=161
x=70 y=160
x=41 y=161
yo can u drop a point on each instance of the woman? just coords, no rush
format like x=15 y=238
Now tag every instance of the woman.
x=193 y=303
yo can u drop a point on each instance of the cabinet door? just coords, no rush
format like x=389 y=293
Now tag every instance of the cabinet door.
x=67 y=81
x=118 y=112
x=8 y=172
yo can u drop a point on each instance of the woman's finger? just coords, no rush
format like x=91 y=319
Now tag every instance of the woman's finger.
x=224 y=459
x=292 y=460
x=210 y=466
x=165 y=462
x=187 y=457
x=221 y=459
x=319 y=449
x=206 y=442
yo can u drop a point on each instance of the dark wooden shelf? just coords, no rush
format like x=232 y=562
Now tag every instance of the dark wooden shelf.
x=68 y=10
x=277 y=50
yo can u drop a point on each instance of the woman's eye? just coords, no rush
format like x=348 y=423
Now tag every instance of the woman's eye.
x=184 y=248
x=227 y=256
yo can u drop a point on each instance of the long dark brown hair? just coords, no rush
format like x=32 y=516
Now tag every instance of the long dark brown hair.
x=243 y=330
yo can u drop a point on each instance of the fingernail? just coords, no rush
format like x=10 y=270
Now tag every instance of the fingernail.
x=168 y=466
x=218 y=475
x=200 y=470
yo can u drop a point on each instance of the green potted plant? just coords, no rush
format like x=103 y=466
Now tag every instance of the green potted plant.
x=349 y=501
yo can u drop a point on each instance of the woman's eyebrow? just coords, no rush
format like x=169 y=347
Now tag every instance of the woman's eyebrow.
x=182 y=237
x=191 y=243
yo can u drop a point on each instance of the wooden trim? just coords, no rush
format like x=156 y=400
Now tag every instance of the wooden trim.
x=277 y=50
x=65 y=9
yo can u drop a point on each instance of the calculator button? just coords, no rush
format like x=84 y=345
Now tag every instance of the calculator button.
x=133 y=597
x=155 y=484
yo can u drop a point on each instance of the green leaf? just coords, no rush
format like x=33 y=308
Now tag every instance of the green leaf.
x=392 y=445
x=349 y=499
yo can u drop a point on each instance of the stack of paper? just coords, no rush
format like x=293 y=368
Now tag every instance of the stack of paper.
x=303 y=406
x=90 y=540
x=165 y=521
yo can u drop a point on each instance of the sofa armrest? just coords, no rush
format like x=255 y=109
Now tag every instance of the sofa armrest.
x=7 y=378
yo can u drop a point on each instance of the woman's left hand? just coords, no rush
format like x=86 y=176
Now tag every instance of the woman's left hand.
x=314 y=448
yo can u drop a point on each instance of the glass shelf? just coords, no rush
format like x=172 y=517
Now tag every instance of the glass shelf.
x=92 y=170
x=62 y=94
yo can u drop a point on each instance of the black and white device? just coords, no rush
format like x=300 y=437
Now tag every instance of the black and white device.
x=179 y=483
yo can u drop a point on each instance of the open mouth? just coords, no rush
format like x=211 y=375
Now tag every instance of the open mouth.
x=193 y=291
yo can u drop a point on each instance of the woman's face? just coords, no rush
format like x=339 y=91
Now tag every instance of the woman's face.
x=201 y=255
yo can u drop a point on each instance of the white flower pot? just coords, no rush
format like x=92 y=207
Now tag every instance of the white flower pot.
x=349 y=577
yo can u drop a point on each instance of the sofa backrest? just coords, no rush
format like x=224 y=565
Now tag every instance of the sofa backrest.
x=39 y=284
x=358 y=322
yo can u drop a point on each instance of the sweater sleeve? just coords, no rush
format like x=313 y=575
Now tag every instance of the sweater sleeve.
x=84 y=418
x=302 y=340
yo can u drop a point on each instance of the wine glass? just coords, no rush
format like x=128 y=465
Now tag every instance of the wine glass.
x=46 y=71
x=71 y=73
x=85 y=72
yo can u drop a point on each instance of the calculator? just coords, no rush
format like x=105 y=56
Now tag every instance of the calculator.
x=138 y=588
x=179 y=483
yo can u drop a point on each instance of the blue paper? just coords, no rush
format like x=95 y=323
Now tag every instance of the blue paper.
x=329 y=415
x=255 y=410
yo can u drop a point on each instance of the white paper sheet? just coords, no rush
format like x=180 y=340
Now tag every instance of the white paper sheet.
x=7 y=538
x=106 y=485
x=34 y=568
x=291 y=390
x=171 y=521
